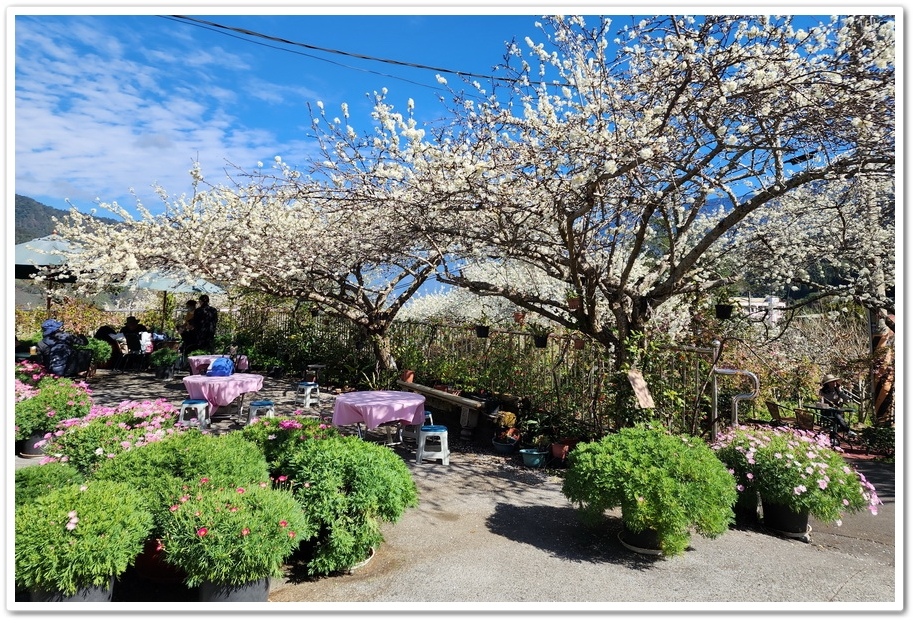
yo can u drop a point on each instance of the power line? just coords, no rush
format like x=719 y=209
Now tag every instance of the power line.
x=252 y=33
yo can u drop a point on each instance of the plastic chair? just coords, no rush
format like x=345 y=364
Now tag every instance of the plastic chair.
x=433 y=452
x=307 y=392
x=410 y=431
x=258 y=406
x=200 y=409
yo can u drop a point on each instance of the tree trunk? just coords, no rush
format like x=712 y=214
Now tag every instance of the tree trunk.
x=381 y=346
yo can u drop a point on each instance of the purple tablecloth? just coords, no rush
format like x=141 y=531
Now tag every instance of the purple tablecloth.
x=376 y=408
x=220 y=391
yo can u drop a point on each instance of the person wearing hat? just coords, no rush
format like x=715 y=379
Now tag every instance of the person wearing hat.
x=835 y=396
x=58 y=350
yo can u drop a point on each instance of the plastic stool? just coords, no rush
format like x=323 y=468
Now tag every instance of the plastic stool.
x=201 y=409
x=307 y=393
x=432 y=430
x=256 y=406
x=409 y=431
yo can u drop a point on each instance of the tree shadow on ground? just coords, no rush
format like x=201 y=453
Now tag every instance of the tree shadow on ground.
x=562 y=532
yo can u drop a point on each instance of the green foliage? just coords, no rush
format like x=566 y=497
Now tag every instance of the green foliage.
x=232 y=535
x=57 y=399
x=163 y=358
x=347 y=486
x=33 y=481
x=796 y=468
x=108 y=431
x=101 y=350
x=79 y=536
x=880 y=439
x=661 y=481
x=279 y=436
x=184 y=457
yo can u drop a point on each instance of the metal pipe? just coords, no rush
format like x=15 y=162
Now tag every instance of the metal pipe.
x=738 y=397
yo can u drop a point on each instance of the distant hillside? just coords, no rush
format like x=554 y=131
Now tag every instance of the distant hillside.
x=33 y=219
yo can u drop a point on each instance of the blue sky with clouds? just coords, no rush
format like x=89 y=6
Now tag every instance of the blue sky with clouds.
x=109 y=103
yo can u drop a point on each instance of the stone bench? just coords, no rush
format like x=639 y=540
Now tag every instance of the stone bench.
x=470 y=408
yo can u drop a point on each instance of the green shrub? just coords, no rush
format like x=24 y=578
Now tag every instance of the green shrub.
x=162 y=468
x=880 y=439
x=278 y=436
x=668 y=483
x=346 y=487
x=58 y=399
x=33 y=481
x=101 y=350
x=79 y=536
x=107 y=431
x=232 y=535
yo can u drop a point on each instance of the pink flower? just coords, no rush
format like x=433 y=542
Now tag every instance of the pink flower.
x=204 y=480
x=283 y=523
x=240 y=490
x=174 y=507
x=281 y=478
x=245 y=531
x=292 y=534
x=202 y=532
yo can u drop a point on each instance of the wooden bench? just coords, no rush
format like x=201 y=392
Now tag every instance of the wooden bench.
x=470 y=408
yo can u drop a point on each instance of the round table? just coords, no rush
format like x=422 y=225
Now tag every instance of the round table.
x=375 y=408
x=221 y=391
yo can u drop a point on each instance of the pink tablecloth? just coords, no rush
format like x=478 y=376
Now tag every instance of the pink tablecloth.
x=196 y=360
x=220 y=391
x=376 y=408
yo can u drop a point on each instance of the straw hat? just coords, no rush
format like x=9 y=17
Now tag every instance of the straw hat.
x=829 y=379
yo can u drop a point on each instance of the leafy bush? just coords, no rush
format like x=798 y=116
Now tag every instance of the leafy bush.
x=159 y=468
x=880 y=439
x=58 y=399
x=79 y=536
x=101 y=350
x=668 y=483
x=346 y=487
x=34 y=481
x=107 y=431
x=796 y=468
x=232 y=535
x=163 y=358
x=277 y=436
x=30 y=373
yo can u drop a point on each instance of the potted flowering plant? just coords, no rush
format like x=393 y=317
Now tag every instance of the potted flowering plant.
x=232 y=538
x=664 y=484
x=507 y=436
x=72 y=542
x=34 y=481
x=794 y=469
x=53 y=400
x=278 y=435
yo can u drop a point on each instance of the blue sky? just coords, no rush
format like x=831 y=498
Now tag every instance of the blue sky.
x=109 y=103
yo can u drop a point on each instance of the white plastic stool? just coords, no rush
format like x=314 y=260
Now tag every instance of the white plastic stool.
x=257 y=406
x=440 y=452
x=201 y=409
x=409 y=431
x=307 y=393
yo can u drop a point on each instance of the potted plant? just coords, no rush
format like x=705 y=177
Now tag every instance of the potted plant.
x=507 y=436
x=724 y=304
x=539 y=334
x=34 y=481
x=38 y=410
x=482 y=326
x=348 y=488
x=231 y=540
x=163 y=362
x=72 y=542
x=573 y=300
x=664 y=484
x=535 y=452
x=101 y=353
x=795 y=473
x=519 y=317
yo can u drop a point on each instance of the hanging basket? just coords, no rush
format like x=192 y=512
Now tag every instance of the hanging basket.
x=540 y=341
x=482 y=331
x=724 y=311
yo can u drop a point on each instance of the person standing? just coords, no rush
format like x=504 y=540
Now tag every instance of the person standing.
x=204 y=323
x=186 y=328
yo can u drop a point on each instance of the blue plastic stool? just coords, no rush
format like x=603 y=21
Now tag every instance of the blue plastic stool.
x=256 y=406
x=201 y=409
x=307 y=392
x=433 y=453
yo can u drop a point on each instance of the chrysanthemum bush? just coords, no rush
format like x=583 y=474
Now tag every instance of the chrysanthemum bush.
x=282 y=434
x=34 y=481
x=54 y=400
x=79 y=536
x=232 y=535
x=30 y=372
x=796 y=468
x=107 y=431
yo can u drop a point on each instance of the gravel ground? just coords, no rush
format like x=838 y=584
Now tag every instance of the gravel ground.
x=492 y=535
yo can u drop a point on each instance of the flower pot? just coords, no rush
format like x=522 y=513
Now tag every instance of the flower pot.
x=26 y=447
x=363 y=562
x=482 y=331
x=532 y=457
x=519 y=317
x=560 y=449
x=151 y=566
x=578 y=343
x=540 y=341
x=724 y=311
x=503 y=447
x=90 y=593
x=574 y=302
x=643 y=542
x=783 y=520
x=256 y=590
x=407 y=376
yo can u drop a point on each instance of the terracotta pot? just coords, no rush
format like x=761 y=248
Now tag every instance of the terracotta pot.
x=574 y=302
x=560 y=449
x=407 y=376
x=519 y=317
x=578 y=343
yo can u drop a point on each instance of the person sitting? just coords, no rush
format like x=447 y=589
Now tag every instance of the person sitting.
x=59 y=352
x=832 y=394
x=107 y=333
